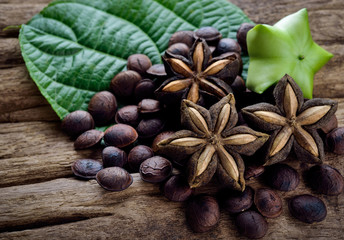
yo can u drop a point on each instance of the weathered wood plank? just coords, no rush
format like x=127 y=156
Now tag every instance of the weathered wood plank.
x=21 y=100
x=139 y=211
x=10 y=53
x=37 y=151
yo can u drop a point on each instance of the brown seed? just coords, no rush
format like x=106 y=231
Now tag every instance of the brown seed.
x=268 y=203
x=120 y=135
x=124 y=83
x=335 y=140
x=137 y=155
x=235 y=201
x=177 y=189
x=86 y=168
x=253 y=171
x=144 y=89
x=238 y=85
x=139 y=63
x=332 y=124
x=103 y=107
x=114 y=179
x=282 y=177
x=227 y=45
x=155 y=169
x=325 y=180
x=113 y=157
x=242 y=34
x=149 y=128
x=128 y=115
x=178 y=49
x=251 y=224
x=160 y=137
x=202 y=213
x=182 y=37
x=157 y=71
x=77 y=122
x=211 y=35
x=307 y=208
x=88 y=139
x=149 y=106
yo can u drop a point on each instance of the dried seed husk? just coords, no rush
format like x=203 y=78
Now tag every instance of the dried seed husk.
x=226 y=179
x=279 y=93
x=231 y=69
x=202 y=179
x=254 y=120
x=282 y=154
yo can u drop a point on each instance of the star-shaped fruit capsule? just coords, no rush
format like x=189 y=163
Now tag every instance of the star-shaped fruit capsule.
x=286 y=47
x=293 y=122
x=199 y=76
x=213 y=142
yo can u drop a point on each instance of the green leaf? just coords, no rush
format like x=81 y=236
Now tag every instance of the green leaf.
x=285 y=48
x=73 y=48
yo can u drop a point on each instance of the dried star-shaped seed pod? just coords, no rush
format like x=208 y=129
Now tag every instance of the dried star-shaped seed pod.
x=293 y=122
x=214 y=142
x=198 y=77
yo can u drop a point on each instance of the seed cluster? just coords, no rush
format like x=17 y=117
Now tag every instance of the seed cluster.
x=194 y=113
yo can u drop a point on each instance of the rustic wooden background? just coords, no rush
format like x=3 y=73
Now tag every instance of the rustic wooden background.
x=40 y=198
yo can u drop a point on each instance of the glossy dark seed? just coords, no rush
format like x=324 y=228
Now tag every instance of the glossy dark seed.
x=251 y=224
x=268 y=203
x=210 y=34
x=185 y=37
x=307 y=208
x=149 y=128
x=149 y=106
x=238 y=85
x=282 y=177
x=114 y=179
x=177 y=189
x=77 y=122
x=242 y=34
x=335 y=140
x=128 y=115
x=202 y=213
x=155 y=169
x=120 y=135
x=86 y=168
x=124 y=83
x=144 y=89
x=88 y=139
x=178 y=49
x=103 y=107
x=227 y=45
x=157 y=71
x=139 y=63
x=235 y=201
x=137 y=155
x=113 y=157
x=253 y=171
x=325 y=179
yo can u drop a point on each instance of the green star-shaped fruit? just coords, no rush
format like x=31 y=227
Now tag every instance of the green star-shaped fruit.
x=285 y=48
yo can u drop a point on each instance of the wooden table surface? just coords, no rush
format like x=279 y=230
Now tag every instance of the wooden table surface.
x=40 y=198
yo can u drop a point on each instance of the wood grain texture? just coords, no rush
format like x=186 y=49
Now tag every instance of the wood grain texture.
x=41 y=200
